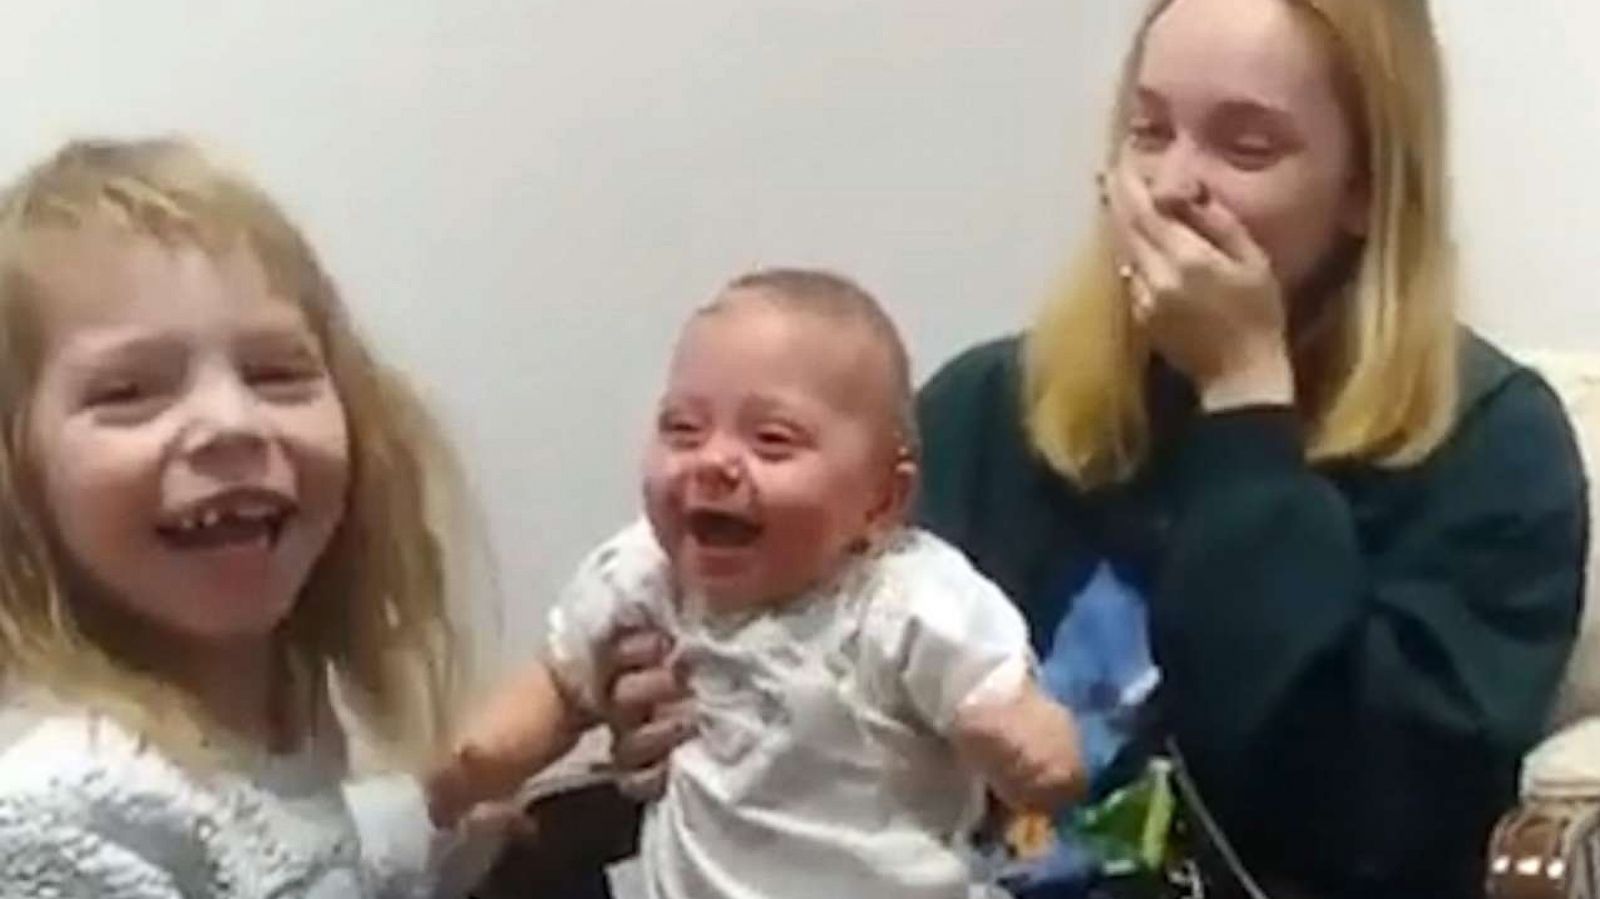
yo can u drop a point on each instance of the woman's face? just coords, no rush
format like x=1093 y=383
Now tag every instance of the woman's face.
x=1237 y=97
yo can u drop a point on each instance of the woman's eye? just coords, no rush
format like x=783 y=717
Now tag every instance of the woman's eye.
x=1253 y=152
x=1147 y=134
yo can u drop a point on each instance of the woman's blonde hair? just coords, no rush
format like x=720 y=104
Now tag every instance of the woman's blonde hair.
x=373 y=620
x=1377 y=371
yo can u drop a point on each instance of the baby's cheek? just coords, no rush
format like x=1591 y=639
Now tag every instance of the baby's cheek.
x=661 y=508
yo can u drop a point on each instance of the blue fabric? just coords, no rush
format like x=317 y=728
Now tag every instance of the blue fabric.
x=1099 y=666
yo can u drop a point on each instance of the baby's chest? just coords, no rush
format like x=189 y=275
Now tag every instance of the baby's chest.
x=776 y=692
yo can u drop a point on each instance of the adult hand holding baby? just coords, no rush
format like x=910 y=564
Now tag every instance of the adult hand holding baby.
x=647 y=709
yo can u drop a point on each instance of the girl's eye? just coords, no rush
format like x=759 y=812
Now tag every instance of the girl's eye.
x=121 y=392
x=269 y=374
x=126 y=399
x=283 y=381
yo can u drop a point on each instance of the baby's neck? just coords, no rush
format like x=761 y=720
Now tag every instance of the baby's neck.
x=827 y=583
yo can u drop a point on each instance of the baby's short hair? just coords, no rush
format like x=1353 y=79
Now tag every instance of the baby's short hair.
x=835 y=297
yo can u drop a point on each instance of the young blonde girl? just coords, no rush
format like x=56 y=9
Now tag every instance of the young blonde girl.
x=217 y=511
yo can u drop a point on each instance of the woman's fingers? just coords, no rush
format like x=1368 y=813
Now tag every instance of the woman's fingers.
x=632 y=649
x=637 y=695
x=1149 y=277
x=1217 y=225
x=1164 y=225
x=645 y=785
x=651 y=742
x=636 y=675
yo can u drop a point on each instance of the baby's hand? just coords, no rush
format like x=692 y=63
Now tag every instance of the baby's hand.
x=1030 y=835
x=1026 y=746
x=467 y=780
x=524 y=726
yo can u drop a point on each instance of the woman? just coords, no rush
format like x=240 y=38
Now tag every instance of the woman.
x=1359 y=529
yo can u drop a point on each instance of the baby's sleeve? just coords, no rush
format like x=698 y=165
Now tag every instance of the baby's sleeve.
x=951 y=635
x=624 y=583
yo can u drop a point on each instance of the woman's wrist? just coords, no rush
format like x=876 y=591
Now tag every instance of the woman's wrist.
x=1267 y=379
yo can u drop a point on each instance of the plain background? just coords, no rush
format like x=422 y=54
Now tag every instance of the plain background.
x=522 y=198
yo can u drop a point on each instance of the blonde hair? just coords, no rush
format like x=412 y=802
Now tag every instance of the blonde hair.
x=372 y=622
x=1377 y=373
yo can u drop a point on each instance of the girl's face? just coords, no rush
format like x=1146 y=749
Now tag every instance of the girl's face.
x=189 y=443
x=1238 y=97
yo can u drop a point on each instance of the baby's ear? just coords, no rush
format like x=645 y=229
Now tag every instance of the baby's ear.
x=894 y=503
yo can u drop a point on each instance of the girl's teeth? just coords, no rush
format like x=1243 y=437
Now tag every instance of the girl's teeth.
x=210 y=518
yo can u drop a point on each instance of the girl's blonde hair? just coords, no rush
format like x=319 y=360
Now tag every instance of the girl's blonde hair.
x=1377 y=373
x=372 y=621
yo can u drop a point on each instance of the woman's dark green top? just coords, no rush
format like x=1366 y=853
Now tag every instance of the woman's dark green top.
x=1354 y=659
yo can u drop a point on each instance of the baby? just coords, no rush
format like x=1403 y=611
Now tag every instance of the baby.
x=857 y=683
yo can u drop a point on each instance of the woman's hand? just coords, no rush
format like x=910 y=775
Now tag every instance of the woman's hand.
x=1204 y=293
x=648 y=709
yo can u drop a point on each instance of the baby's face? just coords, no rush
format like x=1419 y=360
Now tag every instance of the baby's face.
x=773 y=455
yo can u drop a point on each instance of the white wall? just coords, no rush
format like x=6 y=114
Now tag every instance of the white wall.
x=522 y=197
x=1526 y=86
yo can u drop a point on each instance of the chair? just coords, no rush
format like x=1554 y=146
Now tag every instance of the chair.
x=1548 y=847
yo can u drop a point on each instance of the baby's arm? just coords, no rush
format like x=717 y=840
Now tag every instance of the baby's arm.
x=525 y=725
x=1024 y=744
x=961 y=650
x=535 y=717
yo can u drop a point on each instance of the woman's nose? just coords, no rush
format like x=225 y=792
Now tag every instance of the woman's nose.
x=1174 y=178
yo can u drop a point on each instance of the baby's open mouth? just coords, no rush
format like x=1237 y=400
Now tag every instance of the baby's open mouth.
x=233 y=518
x=720 y=529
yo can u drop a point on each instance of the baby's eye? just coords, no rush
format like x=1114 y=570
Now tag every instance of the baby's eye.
x=777 y=442
x=678 y=431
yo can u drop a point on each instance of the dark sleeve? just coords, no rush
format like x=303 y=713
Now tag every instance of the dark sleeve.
x=1359 y=705
x=953 y=412
x=977 y=467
